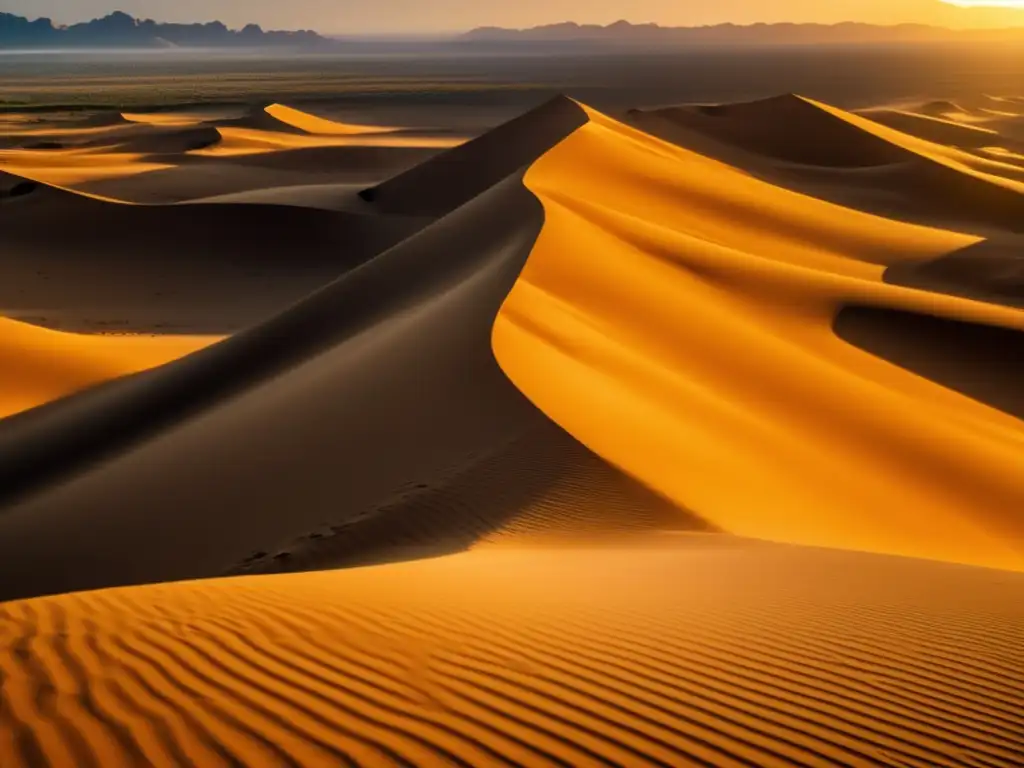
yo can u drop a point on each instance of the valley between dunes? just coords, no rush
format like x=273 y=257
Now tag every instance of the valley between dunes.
x=684 y=436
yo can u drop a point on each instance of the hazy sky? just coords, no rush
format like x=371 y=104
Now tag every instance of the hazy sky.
x=338 y=16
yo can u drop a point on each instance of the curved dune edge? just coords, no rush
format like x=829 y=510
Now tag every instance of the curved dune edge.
x=671 y=653
x=62 y=168
x=41 y=365
x=319 y=125
x=675 y=316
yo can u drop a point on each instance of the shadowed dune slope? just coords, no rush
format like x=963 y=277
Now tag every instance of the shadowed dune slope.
x=197 y=177
x=789 y=128
x=393 y=356
x=851 y=160
x=210 y=267
x=934 y=128
x=367 y=370
x=684 y=651
x=692 y=306
x=457 y=176
x=991 y=270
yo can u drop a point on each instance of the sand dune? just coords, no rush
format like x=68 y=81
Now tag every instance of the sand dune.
x=788 y=141
x=445 y=182
x=574 y=371
x=278 y=127
x=789 y=128
x=397 y=351
x=679 y=652
x=648 y=246
x=934 y=129
x=318 y=125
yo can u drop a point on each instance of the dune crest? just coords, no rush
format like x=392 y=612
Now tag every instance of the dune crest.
x=319 y=125
x=692 y=307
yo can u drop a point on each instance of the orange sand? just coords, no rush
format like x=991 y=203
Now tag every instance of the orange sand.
x=40 y=365
x=675 y=316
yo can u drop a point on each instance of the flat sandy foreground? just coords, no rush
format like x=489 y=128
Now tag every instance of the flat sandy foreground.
x=689 y=436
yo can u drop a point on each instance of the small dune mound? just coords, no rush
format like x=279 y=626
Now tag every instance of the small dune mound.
x=342 y=161
x=940 y=108
x=283 y=119
x=258 y=119
x=319 y=126
x=106 y=119
x=788 y=128
x=447 y=181
x=169 y=141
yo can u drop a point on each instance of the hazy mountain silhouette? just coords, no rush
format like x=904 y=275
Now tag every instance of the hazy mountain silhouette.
x=119 y=30
x=622 y=32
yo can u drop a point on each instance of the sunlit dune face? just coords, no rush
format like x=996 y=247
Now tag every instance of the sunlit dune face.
x=252 y=141
x=42 y=365
x=676 y=317
x=320 y=126
x=70 y=167
x=165 y=119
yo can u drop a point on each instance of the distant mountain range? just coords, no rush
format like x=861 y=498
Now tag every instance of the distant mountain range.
x=624 y=33
x=119 y=30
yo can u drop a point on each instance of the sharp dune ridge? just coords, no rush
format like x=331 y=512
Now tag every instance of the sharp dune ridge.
x=585 y=418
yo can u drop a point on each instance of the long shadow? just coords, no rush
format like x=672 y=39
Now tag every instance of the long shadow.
x=984 y=362
x=990 y=270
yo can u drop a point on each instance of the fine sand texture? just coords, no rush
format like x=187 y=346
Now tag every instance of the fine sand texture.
x=674 y=651
x=694 y=437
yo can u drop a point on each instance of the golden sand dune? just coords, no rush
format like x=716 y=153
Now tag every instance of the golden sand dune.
x=669 y=653
x=692 y=307
x=279 y=127
x=583 y=354
x=113 y=147
x=68 y=167
x=320 y=126
x=397 y=351
x=251 y=141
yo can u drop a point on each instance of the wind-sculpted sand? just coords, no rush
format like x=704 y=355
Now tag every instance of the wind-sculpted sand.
x=694 y=439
